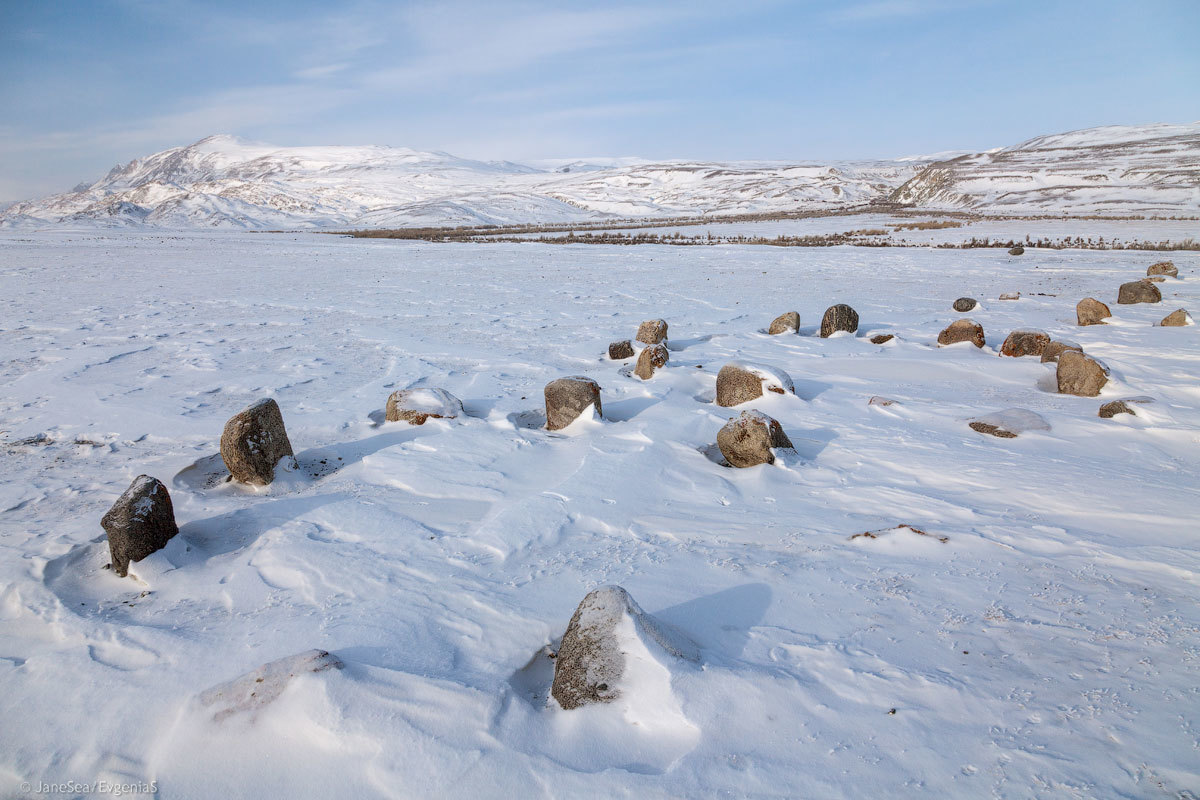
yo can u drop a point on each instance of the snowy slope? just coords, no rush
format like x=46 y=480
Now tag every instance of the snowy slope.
x=1150 y=169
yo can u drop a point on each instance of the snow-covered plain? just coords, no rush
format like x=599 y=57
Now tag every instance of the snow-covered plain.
x=1049 y=647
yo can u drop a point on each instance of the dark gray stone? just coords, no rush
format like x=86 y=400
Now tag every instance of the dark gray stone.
x=965 y=304
x=139 y=523
x=619 y=351
x=253 y=443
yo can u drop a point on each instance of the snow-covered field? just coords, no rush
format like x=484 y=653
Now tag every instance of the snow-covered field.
x=1049 y=647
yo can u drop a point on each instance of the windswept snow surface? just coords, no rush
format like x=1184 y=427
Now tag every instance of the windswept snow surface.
x=1049 y=647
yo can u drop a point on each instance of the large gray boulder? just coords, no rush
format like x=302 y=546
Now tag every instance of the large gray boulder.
x=1080 y=374
x=254 y=442
x=1163 y=268
x=1025 y=343
x=840 y=317
x=652 y=357
x=652 y=331
x=785 y=323
x=619 y=351
x=590 y=664
x=415 y=406
x=567 y=398
x=749 y=438
x=139 y=523
x=739 y=383
x=1138 y=292
x=1090 y=311
x=963 y=330
x=965 y=304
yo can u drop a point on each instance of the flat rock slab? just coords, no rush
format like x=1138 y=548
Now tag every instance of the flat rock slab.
x=1138 y=292
x=567 y=398
x=1080 y=374
x=738 y=383
x=415 y=406
x=963 y=330
x=652 y=331
x=788 y=322
x=652 y=357
x=749 y=439
x=1010 y=423
x=259 y=687
x=254 y=442
x=139 y=523
x=840 y=317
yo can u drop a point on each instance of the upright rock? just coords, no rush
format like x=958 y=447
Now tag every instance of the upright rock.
x=963 y=330
x=652 y=331
x=567 y=398
x=1054 y=350
x=785 y=323
x=1079 y=374
x=653 y=356
x=590 y=664
x=739 y=383
x=1163 y=268
x=1025 y=343
x=840 y=317
x=139 y=523
x=619 y=351
x=1090 y=311
x=965 y=304
x=1138 y=292
x=254 y=441
x=1176 y=319
x=747 y=439
x=415 y=406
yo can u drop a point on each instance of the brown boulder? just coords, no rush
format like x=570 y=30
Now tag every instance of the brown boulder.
x=965 y=304
x=1025 y=343
x=1163 y=268
x=1054 y=350
x=840 y=317
x=882 y=338
x=417 y=405
x=1090 y=311
x=963 y=330
x=619 y=351
x=1176 y=319
x=785 y=323
x=567 y=398
x=139 y=523
x=739 y=383
x=652 y=331
x=1138 y=292
x=747 y=439
x=1080 y=374
x=1114 y=407
x=254 y=441
x=653 y=356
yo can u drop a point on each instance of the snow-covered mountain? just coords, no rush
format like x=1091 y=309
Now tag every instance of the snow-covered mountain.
x=222 y=181
x=1111 y=170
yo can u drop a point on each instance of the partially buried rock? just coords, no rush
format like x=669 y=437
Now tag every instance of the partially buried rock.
x=1079 y=374
x=652 y=331
x=1163 y=268
x=748 y=439
x=1010 y=423
x=1054 y=350
x=963 y=330
x=619 y=351
x=1176 y=319
x=878 y=400
x=785 y=323
x=965 y=304
x=254 y=442
x=139 y=523
x=739 y=383
x=1010 y=296
x=417 y=405
x=840 y=317
x=1111 y=409
x=608 y=624
x=1016 y=251
x=1138 y=292
x=882 y=338
x=1090 y=311
x=1025 y=343
x=653 y=356
x=567 y=398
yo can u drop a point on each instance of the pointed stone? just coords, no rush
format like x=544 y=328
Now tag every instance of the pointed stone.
x=652 y=357
x=139 y=523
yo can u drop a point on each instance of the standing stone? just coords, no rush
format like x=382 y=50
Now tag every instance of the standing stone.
x=653 y=356
x=254 y=441
x=1176 y=319
x=415 y=406
x=1090 y=311
x=139 y=523
x=1054 y=350
x=1025 y=343
x=1079 y=374
x=652 y=331
x=747 y=439
x=1114 y=407
x=785 y=323
x=1016 y=251
x=840 y=317
x=567 y=398
x=739 y=383
x=1163 y=268
x=963 y=330
x=965 y=304
x=619 y=351
x=1138 y=292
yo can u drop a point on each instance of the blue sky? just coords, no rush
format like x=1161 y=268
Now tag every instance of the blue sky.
x=89 y=83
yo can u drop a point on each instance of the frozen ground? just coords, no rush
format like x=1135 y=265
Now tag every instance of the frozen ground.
x=1049 y=647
